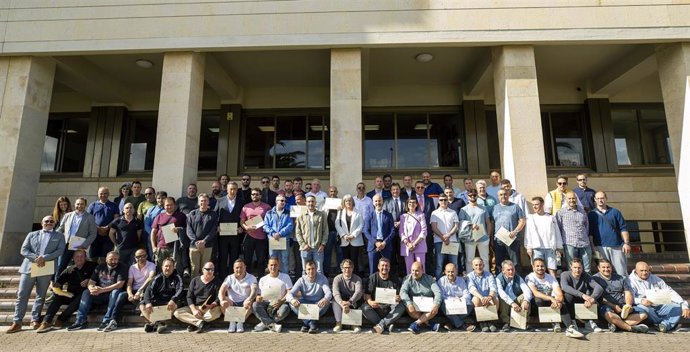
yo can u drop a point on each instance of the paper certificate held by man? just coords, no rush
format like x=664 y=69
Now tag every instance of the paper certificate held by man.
x=353 y=317
x=549 y=315
x=332 y=204
x=256 y=222
x=659 y=296
x=423 y=304
x=228 y=229
x=582 y=312
x=518 y=320
x=478 y=233
x=451 y=248
x=272 y=293
x=297 y=210
x=168 y=233
x=236 y=314
x=308 y=312
x=160 y=313
x=504 y=236
x=277 y=245
x=76 y=242
x=455 y=306
x=488 y=313
x=47 y=269
x=385 y=295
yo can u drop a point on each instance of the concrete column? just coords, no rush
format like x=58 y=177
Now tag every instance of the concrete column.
x=26 y=87
x=346 y=119
x=674 y=73
x=179 y=122
x=519 y=119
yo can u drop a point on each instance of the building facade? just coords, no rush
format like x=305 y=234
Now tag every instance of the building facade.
x=175 y=91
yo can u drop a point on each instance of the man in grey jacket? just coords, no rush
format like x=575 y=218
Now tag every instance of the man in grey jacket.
x=80 y=230
x=647 y=287
x=40 y=248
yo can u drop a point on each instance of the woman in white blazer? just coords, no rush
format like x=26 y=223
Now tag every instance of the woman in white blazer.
x=349 y=223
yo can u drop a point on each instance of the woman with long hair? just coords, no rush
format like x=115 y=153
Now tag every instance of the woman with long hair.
x=62 y=207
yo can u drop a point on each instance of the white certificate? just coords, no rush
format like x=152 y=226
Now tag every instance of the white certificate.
x=236 y=314
x=75 y=242
x=549 y=315
x=423 y=304
x=308 y=312
x=354 y=317
x=256 y=221
x=45 y=270
x=478 y=233
x=661 y=296
x=297 y=210
x=160 y=313
x=279 y=245
x=504 y=236
x=451 y=248
x=228 y=229
x=168 y=233
x=518 y=320
x=272 y=293
x=486 y=313
x=332 y=204
x=385 y=295
x=582 y=312
x=455 y=306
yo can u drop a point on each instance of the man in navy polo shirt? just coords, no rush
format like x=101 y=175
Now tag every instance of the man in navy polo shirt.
x=609 y=233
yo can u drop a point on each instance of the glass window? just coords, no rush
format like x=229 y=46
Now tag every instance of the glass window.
x=208 y=141
x=140 y=141
x=492 y=140
x=641 y=136
x=286 y=141
x=564 y=139
x=412 y=140
x=64 y=148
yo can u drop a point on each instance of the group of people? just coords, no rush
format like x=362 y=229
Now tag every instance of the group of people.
x=147 y=244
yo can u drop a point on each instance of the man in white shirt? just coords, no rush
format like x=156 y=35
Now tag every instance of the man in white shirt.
x=270 y=306
x=543 y=237
x=444 y=224
x=139 y=276
x=238 y=290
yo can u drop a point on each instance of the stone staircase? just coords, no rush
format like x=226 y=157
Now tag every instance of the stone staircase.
x=676 y=275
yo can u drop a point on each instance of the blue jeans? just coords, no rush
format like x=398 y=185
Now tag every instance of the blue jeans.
x=584 y=253
x=312 y=254
x=283 y=256
x=112 y=298
x=440 y=257
x=332 y=242
x=668 y=314
x=322 y=311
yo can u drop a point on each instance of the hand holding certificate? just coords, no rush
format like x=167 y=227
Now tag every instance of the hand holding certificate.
x=277 y=245
x=76 y=242
x=455 y=306
x=47 y=269
x=332 y=204
x=308 y=312
x=658 y=297
x=549 y=315
x=160 y=313
x=423 y=304
x=228 y=229
x=169 y=234
x=478 y=233
x=518 y=320
x=353 y=317
x=582 y=312
x=487 y=313
x=297 y=210
x=504 y=236
x=451 y=248
x=272 y=293
x=255 y=222
x=386 y=295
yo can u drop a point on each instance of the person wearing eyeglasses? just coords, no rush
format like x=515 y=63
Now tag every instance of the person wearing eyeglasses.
x=203 y=306
x=39 y=248
x=150 y=201
x=584 y=193
x=125 y=233
x=139 y=277
x=246 y=190
x=507 y=216
x=555 y=199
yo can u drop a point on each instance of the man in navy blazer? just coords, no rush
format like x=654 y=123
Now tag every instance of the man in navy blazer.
x=379 y=230
x=229 y=247
x=39 y=247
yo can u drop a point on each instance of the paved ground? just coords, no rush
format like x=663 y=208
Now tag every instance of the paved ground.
x=130 y=339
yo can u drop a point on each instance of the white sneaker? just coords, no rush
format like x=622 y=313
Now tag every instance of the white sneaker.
x=277 y=327
x=573 y=332
x=240 y=327
x=356 y=330
x=232 y=327
x=260 y=327
x=593 y=326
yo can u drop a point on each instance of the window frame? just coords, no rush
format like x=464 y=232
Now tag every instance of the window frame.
x=60 y=150
x=127 y=135
x=638 y=107
x=588 y=149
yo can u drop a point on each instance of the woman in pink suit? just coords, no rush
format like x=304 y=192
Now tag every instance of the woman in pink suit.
x=412 y=235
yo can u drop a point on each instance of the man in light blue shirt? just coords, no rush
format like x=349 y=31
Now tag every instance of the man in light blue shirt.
x=453 y=287
x=514 y=293
x=482 y=286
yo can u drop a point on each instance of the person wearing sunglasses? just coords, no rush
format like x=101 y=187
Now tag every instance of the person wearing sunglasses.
x=555 y=199
x=203 y=306
x=39 y=248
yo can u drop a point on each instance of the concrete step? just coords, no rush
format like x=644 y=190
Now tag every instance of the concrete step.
x=681 y=268
x=9 y=270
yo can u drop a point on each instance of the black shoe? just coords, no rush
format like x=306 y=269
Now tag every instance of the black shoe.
x=191 y=328
x=202 y=327
x=149 y=327
x=102 y=326
x=304 y=328
x=76 y=326
x=161 y=328
x=112 y=326
x=313 y=328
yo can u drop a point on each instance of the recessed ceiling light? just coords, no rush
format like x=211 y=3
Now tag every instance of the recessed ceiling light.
x=371 y=127
x=422 y=126
x=143 y=63
x=214 y=129
x=267 y=129
x=424 y=57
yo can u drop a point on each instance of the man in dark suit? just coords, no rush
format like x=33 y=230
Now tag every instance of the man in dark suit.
x=379 y=231
x=267 y=195
x=378 y=189
x=40 y=248
x=426 y=205
x=228 y=209
x=396 y=206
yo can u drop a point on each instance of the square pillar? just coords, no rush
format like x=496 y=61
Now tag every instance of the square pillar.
x=179 y=122
x=26 y=88
x=674 y=74
x=346 y=119
x=519 y=119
